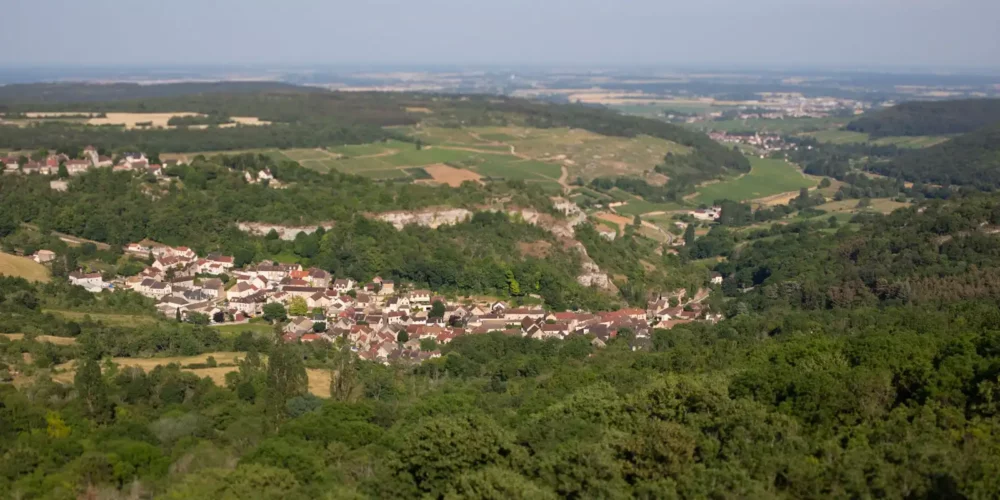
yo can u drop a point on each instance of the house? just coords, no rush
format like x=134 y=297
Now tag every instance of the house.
x=93 y=282
x=103 y=161
x=225 y=261
x=240 y=291
x=77 y=167
x=420 y=297
x=10 y=163
x=318 y=277
x=153 y=288
x=299 y=326
x=90 y=152
x=213 y=288
x=388 y=287
x=302 y=291
x=43 y=256
x=519 y=313
x=343 y=284
x=250 y=305
x=183 y=253
x=716 y=279
x=165 y=263
x=182 y=283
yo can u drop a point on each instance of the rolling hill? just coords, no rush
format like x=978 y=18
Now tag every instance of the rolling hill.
x=922 y=118
x=971 y=159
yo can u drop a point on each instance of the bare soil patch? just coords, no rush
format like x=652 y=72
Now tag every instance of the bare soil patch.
x=618 y=220
x=539 y=249
x=451 y=176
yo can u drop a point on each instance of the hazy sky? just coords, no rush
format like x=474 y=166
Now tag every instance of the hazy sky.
x=926 y=33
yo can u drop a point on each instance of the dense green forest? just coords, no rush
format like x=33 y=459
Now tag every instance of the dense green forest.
x=887 y=398
x=929 y=118
x=971 y=159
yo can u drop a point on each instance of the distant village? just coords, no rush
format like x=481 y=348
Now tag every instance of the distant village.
x=369 y=316
x=127 y=162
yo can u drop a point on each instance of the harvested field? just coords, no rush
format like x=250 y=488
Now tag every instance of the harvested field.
x=43 y=338
x=617 y=220
x=319 y=379
x=129 y=120
x=451 y=176
x=23 y=267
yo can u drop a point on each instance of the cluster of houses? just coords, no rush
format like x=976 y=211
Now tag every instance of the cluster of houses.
x=369 y=316
x=129 y=162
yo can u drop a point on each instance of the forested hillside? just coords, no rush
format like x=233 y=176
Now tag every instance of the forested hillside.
x=929 y=118
x=971 y=159
x=890 y=395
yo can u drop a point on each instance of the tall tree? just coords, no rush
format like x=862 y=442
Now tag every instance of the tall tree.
x=89 y=383
x=286 y=378
x=689 y=235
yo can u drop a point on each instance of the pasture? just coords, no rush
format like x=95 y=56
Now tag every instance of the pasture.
x=849 y=137
x=767 y=177
x=111 y=319
x=22 y=267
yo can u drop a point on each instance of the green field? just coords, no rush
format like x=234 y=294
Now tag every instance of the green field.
x=848 y=137
x=111 y=319
x=262 y=328
x=639 y=206
x=766 y=178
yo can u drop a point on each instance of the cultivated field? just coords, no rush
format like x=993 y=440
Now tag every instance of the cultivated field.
x=23 y=267
x=766 y=178
x=454 y=177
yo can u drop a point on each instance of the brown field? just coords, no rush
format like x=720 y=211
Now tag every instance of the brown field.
x=12 y=265
x=451 y=176
x=319 y=379
x=418 y=110
x=130 y=119
x=42 y=338
x=618 y=220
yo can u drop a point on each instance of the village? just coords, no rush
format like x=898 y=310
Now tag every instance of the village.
x=381 y=320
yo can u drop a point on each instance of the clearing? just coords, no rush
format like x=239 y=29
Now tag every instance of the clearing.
x=454 y=177
x=23 y=267
x=111 y=319
x=767 y=177
x=883 y=205
x=319 y=379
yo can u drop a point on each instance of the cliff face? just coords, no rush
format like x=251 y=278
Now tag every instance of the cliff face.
x=286 y=233
x=563 y=229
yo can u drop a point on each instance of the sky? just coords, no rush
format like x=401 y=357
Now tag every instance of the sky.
x=814 y=33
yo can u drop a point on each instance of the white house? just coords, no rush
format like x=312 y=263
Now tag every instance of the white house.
x=93 y=282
